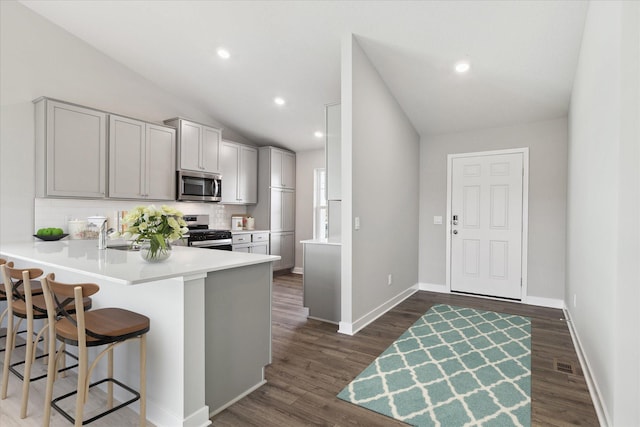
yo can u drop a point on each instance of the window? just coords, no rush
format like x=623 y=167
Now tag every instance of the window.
x=320 y=223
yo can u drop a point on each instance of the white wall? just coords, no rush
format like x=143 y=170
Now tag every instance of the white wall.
x=547 y=142
x=603 y=207
x=37 y=59
x=306 y=162
x=380 y=152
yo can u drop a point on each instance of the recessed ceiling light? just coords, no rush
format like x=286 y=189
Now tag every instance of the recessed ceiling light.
x=462 y=67
x=318 y=134
x=278 y=100
x=223 y=53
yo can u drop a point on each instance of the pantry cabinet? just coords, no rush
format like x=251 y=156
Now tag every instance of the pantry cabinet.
x=198 y=146
x=141 y=160
x=275 y=209
x=239 y=167
x=71 y=150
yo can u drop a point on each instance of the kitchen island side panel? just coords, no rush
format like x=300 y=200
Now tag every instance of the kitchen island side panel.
x=238 y=332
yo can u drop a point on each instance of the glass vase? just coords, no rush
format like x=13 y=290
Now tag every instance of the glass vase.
x=151 y=251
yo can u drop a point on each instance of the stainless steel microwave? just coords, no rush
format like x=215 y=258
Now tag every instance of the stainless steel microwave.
x=199 y=187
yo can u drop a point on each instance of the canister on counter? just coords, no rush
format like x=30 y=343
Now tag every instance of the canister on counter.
x=77 y=228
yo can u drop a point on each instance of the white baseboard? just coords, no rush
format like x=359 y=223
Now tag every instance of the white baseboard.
x=297 y=270
x=544 y=302
x=594 y=391
x=353 y=328
x=198 y=418
x=539 y=301
x=433 y=287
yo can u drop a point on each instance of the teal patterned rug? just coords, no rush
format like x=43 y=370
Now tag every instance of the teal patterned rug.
x=454 y=367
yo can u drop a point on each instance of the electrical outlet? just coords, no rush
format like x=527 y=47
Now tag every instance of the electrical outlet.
x=356 y=224
x=390 y=280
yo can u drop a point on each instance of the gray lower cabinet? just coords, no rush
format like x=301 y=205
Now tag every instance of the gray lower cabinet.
x=71 y=150
x=321 y=280
x=252 y=243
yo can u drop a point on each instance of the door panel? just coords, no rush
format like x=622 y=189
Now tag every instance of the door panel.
x=486 y=241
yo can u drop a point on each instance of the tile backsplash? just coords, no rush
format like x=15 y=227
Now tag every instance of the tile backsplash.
x=50 y=212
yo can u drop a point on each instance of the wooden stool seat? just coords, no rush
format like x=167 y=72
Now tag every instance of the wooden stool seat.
x=40 y=307
x=36 y=288
x=104 y=326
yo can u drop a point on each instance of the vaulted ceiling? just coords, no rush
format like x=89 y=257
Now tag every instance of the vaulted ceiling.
x=523 y=56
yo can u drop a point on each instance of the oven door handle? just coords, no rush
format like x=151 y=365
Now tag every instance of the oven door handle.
x=210 y=243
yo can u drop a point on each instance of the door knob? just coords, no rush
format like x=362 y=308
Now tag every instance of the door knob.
x=455 y=231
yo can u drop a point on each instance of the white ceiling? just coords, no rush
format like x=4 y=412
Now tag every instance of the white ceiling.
x=523 y=57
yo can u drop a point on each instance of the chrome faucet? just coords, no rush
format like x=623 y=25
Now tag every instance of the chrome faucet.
x=102 y=235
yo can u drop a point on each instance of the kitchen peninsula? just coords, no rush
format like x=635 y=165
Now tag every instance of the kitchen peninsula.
x=210 y=314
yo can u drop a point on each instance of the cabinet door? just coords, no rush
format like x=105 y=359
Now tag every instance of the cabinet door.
x=229 y=161
x=190 y=146
x=127 y=158
x=288 y=170
x=334 y=154
x=275 y=248
x=210 y=149
x=288 y=211
x=260 y=248
x=76 y=147
x=248 y=175
x=242 y=248
x=160 y=164
x=287 y=250
x=276 y=168
x=276 y=210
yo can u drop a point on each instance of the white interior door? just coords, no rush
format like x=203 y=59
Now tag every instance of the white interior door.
x=486 y=224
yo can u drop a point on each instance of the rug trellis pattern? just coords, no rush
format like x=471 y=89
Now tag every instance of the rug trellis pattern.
x=454 y=367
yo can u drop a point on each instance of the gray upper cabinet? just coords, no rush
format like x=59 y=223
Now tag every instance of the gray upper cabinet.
x=239 y=167
x=141 y=160
x=71 y=150
x=198 y=146
x=283 y=168
x=333 y=151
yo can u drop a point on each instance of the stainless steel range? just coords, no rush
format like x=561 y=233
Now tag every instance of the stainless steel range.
x=201 y=236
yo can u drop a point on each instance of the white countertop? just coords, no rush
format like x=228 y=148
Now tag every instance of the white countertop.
x=127 y=267
x=248 y=231
x=320 y=242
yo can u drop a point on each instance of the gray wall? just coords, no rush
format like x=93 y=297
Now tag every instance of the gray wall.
x=547 y=142
x=306 y=162
x=382 y=188
x=603 y=206
x=37 y=59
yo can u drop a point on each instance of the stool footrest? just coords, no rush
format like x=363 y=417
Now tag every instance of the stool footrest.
x=18 y=345
x=136 y=396
x=39 y=377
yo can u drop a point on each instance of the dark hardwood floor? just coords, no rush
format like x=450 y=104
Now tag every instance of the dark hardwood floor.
x=312 y=363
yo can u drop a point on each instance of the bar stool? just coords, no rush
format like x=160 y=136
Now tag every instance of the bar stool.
x=36 y=289
x=21 y=303
x=105 y=326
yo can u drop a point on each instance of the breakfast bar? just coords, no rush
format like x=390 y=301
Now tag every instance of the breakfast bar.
x=210 y=312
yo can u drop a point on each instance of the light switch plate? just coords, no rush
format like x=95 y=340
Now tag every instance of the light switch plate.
x=437 y=220
x=357 y=223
